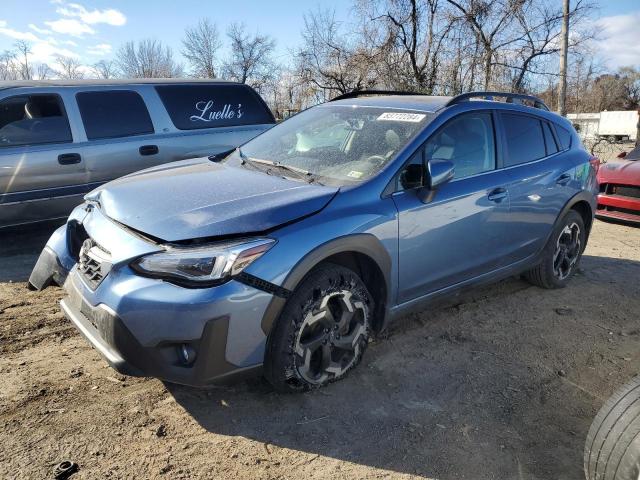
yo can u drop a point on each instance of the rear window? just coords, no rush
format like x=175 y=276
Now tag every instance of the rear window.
x=524 y=137
x=33 y=120
x=564 y=137
x=208 y=106
x=113 y=114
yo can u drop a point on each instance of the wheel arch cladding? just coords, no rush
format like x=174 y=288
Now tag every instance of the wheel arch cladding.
x=581 y=203
x=363 y=253
x=585 y=211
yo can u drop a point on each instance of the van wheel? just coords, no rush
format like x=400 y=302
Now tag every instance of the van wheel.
x=561 y=254
x=612 y=449
x=322 y=332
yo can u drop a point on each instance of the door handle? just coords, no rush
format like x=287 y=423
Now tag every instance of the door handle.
x=563 y=179
x=498 y=194
x=148 y=150
x=69 y=158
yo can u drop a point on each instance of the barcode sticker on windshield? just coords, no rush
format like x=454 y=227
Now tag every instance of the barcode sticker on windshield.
x=402 y=117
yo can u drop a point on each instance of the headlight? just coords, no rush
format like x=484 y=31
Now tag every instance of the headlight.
x=202 y=266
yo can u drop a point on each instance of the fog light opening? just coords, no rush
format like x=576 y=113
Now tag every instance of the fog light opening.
x=187 y=354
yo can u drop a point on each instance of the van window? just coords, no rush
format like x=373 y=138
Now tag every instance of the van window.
x=467 y=141
x=524 y=138
x=549 y=141
x=33 y=120
x=564 y=137
x=113 y=114
x=216 y=105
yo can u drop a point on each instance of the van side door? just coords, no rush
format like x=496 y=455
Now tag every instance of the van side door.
x=120 y=136
x=42 y=172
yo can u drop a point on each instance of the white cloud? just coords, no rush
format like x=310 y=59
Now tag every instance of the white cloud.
x=620 y=44
x=110 y=16
x=42 y=31
x=100 y=49
x=16 y=34
x=69 y=42
x=45 y=52
x=70 y=26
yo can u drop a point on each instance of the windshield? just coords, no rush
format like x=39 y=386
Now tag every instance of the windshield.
x=335 y=144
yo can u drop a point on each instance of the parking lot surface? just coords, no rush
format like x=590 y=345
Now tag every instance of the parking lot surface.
x=499 y=383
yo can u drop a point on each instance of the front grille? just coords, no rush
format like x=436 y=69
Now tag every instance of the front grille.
x=627 y=190
x=622 y=190
x=93 y=263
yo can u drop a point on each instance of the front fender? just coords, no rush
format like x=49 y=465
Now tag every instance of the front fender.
x=364 y=243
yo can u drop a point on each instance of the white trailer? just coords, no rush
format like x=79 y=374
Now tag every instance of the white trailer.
x=618 y=125
x=586 y=124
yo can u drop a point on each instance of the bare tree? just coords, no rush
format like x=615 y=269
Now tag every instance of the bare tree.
x=490 y=22
x=9 y=67
x=147 y=59
x=413 y=37
x=200 y=47
x=44 y=72
x=104 y=69
x=69 y=68
x=332 y=60
x=250 y=60
x=23 y=51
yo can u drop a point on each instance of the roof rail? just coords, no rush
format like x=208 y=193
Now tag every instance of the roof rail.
x=362 y=93
x=509 y=98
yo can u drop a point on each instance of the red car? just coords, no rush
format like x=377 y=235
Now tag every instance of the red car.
x=619 y=197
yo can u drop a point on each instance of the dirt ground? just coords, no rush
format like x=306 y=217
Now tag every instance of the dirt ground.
x=501 y=383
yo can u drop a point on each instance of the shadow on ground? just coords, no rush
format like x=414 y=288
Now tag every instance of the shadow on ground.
x=497 y=393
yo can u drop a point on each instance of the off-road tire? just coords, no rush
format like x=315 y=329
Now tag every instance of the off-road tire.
x=286 y=366
x=612 y=448
x=544 y=275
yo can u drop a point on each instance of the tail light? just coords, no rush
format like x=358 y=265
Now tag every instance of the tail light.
x=595 y=164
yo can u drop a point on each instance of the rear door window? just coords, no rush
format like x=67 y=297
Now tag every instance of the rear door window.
x=33 y=120
x=549 y=141
x=524 y=138
x=113 y=114
x=217 y=105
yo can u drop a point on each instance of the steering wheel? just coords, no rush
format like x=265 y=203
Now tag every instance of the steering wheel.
x=377 y=160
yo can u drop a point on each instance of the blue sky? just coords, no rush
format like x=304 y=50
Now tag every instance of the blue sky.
x=93 y=29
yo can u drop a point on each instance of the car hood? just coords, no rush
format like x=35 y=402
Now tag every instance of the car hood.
x=623 y=171
x=198 y=198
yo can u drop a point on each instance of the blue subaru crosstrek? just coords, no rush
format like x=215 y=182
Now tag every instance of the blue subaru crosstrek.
x=289 y=253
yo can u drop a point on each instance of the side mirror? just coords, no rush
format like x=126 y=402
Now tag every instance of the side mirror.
x=439 y=172
x=621 y=155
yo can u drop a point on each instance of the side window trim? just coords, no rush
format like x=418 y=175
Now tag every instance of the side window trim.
x=63 y=110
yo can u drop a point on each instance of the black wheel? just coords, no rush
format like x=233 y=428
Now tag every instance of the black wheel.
x=612 y=449
x=322 y=332
x=561 y=254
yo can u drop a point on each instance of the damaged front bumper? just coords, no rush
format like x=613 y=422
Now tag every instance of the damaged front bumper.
x=149 y=327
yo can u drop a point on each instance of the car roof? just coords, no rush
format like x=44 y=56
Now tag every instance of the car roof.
x=108 y=82
x=424 y=103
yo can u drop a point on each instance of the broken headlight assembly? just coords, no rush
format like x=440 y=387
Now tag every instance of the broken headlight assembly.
x=202 y=266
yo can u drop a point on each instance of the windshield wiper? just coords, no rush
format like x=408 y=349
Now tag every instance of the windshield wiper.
x=300 y=172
